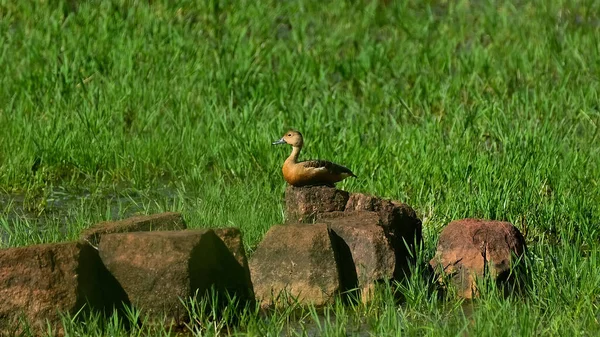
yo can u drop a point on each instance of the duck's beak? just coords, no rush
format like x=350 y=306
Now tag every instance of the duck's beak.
x=281 y=141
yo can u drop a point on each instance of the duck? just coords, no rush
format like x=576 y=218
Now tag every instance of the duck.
x=309 y=172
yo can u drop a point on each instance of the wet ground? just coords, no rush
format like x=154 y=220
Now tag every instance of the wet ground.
x=61 y=210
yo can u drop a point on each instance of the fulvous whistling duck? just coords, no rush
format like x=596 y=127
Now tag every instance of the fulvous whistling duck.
x=310 y=172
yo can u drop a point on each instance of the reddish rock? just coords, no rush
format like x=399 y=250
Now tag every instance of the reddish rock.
x=302 y=204
x=158 y=269
x=238 y=280
x=296 y=261
x=400 y=223
x=38 y=282
x=156 y=222
x=365 y=253
x=469 y=247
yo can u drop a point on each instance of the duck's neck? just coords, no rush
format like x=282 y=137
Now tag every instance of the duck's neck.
x=293 y=158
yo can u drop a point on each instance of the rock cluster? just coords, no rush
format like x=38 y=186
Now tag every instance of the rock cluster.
x=152 y=270
x=333 y=242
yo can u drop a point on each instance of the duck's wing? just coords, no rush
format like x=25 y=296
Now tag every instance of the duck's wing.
x=327 y=166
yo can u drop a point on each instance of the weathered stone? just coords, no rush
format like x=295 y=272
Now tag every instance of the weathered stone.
x=38 y=282
x=160 y=269
x=302 y=204
x=156 y=222
x=237 y=281
x=469 y=247
x=364 y=251
x=393 y=213
x=400 y=223
x=296 y=261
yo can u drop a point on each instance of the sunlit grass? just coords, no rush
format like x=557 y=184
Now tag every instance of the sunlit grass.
x=458 y=108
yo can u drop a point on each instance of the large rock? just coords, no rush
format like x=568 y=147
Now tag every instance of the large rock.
x=400 y=223
x=302 y=204
x=242 y=284
x=469 y=247
x=38 y=282
x=160 y=269
x=365 y=252
x=157 y=222
x=295 y=262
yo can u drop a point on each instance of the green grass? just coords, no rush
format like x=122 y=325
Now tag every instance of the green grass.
x=458 y=108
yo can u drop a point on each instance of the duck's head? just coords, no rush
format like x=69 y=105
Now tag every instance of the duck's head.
x=292 y=137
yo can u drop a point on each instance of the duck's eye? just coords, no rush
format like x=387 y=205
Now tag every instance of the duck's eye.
x=289 y=134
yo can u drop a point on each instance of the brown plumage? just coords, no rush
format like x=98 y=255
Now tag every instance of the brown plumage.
x=310 y=172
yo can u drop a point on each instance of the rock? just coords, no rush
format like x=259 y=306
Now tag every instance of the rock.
x=38 y=282
x=302 y=204
x=296 y=261
x=158 y=222
x=238 y=280
x=159 y=269
x=468 y=247
x=400 y=223
x=393 y=213
x=365 y=253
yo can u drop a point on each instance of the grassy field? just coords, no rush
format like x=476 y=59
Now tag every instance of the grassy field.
x=459 y=108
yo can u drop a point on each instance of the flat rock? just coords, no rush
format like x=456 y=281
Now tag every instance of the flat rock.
x=296 y=261
x=468 y=247
x=302 y=204
x=37 y=282
x=156 y=222
x=159 y=269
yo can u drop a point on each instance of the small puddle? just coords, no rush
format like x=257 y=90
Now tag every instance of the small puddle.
x=60 y=210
